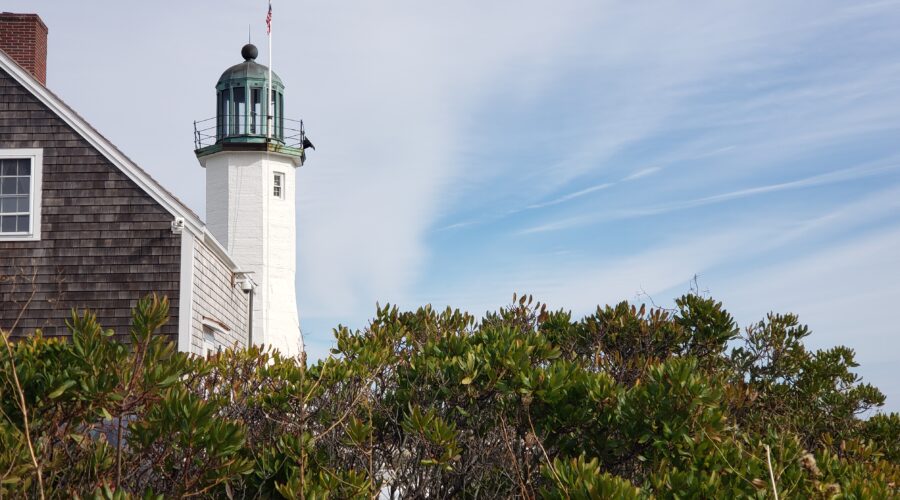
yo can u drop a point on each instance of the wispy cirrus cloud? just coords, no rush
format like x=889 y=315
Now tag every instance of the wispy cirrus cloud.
x=644 y=172
x=598 y=187
x=848 y=174
x=572 y=196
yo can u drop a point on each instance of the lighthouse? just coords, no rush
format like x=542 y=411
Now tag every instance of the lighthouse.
x=251 y=156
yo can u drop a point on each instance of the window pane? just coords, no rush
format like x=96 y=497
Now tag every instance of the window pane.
x=24 y=185
x=24 y=167
x=8 y=185
x=22 y=224
x=7 y=223
x=8 y=167
x=13 y=204
x=7 y=205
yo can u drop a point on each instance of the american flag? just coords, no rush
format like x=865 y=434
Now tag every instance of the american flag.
x=269 y=19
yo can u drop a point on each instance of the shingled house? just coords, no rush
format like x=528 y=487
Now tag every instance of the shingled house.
x=83 y=227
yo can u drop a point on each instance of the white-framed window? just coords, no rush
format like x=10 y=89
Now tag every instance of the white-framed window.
x=20 y=194
x=210 y=346
x=214 y=332
x=278 y=185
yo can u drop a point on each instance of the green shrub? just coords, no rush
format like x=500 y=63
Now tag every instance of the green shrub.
x=526 y=402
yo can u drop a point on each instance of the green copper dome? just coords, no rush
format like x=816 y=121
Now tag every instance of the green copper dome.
x=248 y=70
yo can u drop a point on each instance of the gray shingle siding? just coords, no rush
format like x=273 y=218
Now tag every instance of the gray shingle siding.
x=217 y=296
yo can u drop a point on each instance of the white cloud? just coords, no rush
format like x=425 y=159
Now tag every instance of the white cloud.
x=388 y=105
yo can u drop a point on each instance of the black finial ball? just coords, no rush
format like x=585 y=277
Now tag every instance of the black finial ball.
x=249 y=51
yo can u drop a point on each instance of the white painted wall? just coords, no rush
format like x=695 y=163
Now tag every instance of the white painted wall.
x=185 y=292
x=259 y=232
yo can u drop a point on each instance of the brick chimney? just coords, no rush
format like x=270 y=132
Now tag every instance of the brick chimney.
x=24 y=38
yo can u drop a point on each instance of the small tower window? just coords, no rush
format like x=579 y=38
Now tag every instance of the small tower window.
x=278 y=185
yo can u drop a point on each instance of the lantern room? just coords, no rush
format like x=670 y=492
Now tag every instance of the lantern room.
x=242 y=121
x=241 y=105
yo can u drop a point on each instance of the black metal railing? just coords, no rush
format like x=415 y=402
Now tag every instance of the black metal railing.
x=210 y=131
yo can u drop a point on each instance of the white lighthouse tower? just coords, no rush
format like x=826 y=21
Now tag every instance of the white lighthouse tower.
x=250 y=164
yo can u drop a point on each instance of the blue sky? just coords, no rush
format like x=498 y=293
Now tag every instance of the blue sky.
x=583 y=151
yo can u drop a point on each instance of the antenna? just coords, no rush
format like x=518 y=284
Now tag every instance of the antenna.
x=248 y=34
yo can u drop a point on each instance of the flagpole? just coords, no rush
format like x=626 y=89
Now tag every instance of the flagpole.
x=269 y=104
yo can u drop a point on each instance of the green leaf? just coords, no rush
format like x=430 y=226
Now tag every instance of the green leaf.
x=61 y=389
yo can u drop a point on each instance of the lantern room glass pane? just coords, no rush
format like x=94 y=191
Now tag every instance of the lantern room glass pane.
x=280 y=114
x=255 y=111
x=221 y=113
x=240 y=111
x=274 y=111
